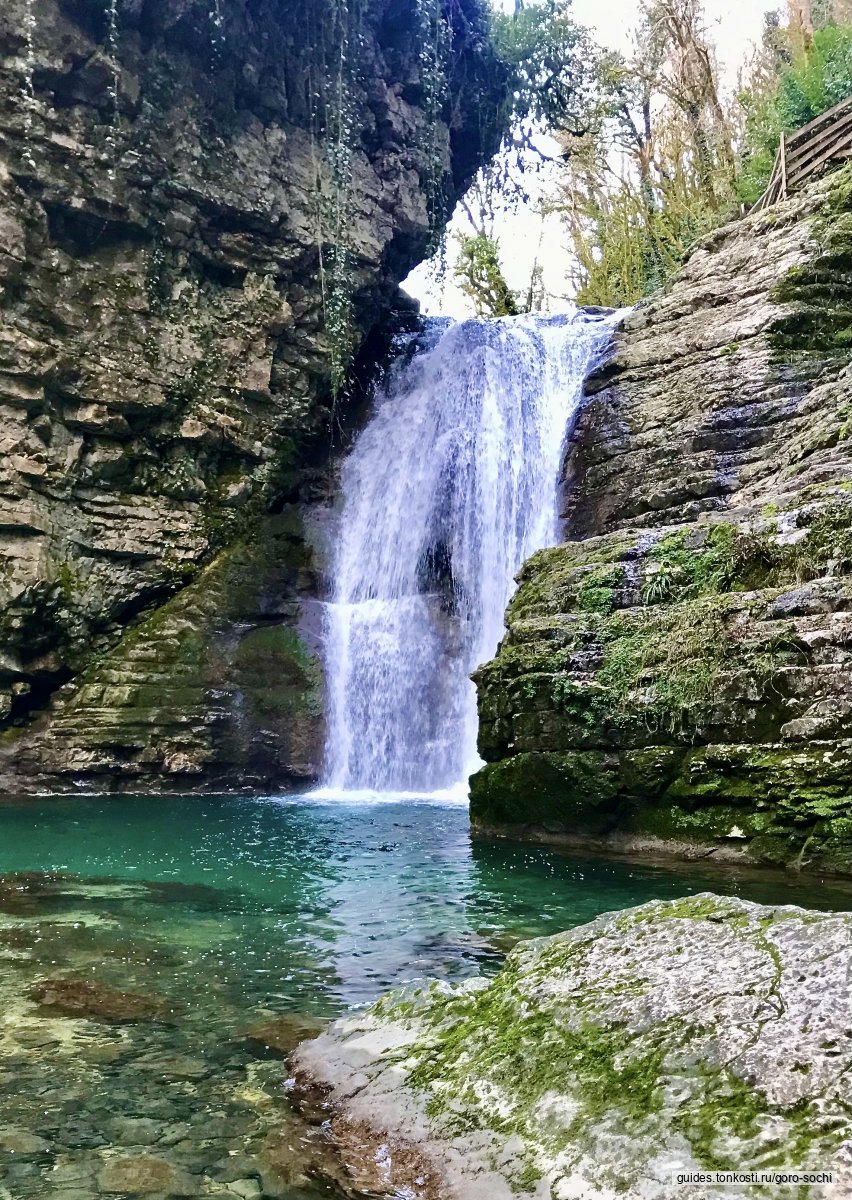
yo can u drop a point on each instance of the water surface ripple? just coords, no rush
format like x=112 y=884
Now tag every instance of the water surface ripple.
x=234 y=913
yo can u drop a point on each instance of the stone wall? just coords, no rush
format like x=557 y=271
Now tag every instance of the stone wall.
x=677 y=677
x=164 y=361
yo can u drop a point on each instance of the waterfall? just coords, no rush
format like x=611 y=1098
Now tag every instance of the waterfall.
x=452 y=484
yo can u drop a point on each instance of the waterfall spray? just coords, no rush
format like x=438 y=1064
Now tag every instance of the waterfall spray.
x=449 y=488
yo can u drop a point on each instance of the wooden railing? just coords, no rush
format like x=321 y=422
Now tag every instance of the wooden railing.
x=808 y=151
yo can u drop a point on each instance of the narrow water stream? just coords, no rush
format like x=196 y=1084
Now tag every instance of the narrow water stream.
x=244 y=921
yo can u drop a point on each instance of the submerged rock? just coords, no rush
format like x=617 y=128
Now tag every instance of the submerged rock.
x=279 y=1036
x=98 y=1001
x=24 y=893
x=144 y=1176
x=682 y=1036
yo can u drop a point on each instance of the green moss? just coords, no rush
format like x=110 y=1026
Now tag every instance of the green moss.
x=551 y=579
x=662 y=667
x=819 y=292
x=68 y=581
x=707 y=561
x=727 y=1108
x=598 y=590
x=492 y=1037
x=703 y=907
x=277 y=674
x=535 y=787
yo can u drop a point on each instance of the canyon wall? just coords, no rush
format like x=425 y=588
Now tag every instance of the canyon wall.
x=677 y=677
x=203 y=207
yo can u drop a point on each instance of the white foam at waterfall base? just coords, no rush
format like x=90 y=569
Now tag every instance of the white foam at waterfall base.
x=451 y=485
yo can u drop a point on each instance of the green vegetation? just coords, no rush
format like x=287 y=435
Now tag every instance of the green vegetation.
x=691 y=159
x=818 y=76
x=651 y=700
x=597 y=592
x=819 y=323
x=578 y=790
x=480 y=277
x=664 y=664
x=659 y=110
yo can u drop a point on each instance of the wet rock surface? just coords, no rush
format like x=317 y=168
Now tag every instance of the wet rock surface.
x=165 y=364
x=675 y=676
x=685 y=1036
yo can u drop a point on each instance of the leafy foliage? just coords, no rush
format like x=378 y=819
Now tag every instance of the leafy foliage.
x=480 y=276
x=655 y=169
x=819 y=77
x=551 y=60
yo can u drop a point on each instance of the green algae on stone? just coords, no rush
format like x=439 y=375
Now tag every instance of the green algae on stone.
x=614 y=717
x=668 y=1038
x=818 y=292
x=201 y=687
x=541 y=788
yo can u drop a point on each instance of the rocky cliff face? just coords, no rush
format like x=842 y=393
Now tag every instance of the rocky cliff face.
x=678 y=675
x=203 y=206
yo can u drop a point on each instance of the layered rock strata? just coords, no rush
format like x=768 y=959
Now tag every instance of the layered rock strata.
x=174 y=306
x=677 y=676
x=674 y=1039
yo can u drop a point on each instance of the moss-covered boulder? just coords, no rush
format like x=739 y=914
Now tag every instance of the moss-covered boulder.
x=678 y=677
x=681 y=1037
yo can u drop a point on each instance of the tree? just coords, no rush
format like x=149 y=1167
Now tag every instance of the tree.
x=657 y=167
x=785 y=91
x=690 y=80
x=480 y=276
x=551 y=60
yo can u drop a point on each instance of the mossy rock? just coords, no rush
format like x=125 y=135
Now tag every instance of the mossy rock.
x=693 y=1035
x=559 y=789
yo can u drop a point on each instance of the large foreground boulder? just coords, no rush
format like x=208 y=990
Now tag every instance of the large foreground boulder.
x=681 y=1037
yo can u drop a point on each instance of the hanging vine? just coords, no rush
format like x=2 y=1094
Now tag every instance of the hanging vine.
x=338 y=43
x=113 y=87
x=435 y=36
x=217 y=30
x=336 y=40
x=336 y=264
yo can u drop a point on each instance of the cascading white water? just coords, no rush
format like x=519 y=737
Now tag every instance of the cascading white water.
x=448 y=489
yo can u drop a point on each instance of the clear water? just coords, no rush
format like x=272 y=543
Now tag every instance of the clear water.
x=236 y=911
x=451 y=485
